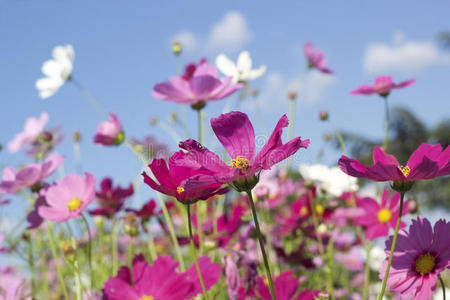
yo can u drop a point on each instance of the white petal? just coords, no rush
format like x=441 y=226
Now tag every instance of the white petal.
x=253 y=74
x=51 y=68
x=47 y=93
x=244 y=63
x=70 y=52
x=225 y=65
x=48 y=83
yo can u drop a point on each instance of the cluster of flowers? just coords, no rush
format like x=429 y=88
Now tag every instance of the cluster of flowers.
x=316 y=233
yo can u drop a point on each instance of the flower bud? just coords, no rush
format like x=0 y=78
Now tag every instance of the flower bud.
x=173 y=117
x=327 y=136
x=255 y=92
x=45 y=137
x=413 y=206
x=292 y=95
x=199 y=105
x=323 y=115
x=76 y=136
x=176 y=48
x=154 y=121
x=68 y=250
x=131 y=225
x=323 y=296
x=120 y=137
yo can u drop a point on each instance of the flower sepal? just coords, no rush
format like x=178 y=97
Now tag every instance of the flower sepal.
x=245 y=184
x=402 y=186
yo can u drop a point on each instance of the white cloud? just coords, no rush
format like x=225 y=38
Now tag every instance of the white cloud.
x=230 y=34
x=402 y=56
x=187 y=40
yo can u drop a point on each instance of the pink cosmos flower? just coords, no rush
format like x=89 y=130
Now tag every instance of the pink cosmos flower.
x=111 y=199
x=428 y=161
x=383 y=86
x=110 y=132
x=285 y=286
x=420 y=255
x=200 y=83
x=352 y=260
x=378 y=219
x=12 y=287
x=232 y=277
x=32 y=175
x=160 y=281
x=315 y=59
x=2 y=238
x=31 y=131
x=236 y=134
x=68 y=198
x=171 y=180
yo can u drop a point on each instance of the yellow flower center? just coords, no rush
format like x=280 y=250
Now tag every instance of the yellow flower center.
x=147 y=298
x=319 y=209
x=405 y=170
x=303 y=211
x=384 y=215
x=425 y=264
x=241 y=163
x=74 y=204
x=180 y=189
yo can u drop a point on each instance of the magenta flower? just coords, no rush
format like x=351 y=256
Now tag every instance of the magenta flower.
x=286 y=286
x=420 y=255
x=315 y=59
x=200 y=83
x=31 y=131
x=110 y=132
x=30 y=176
x=171 y=180
x=383 y=86
x=111 y=199
x=232 y=277
x=428 y=161
x=378 y=219
x=68 y=198
x=159 y=281
x=236 y=134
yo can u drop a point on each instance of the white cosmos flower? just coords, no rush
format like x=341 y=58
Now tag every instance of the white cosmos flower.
x=330 y=180
x=242 y=70
x=56 y=70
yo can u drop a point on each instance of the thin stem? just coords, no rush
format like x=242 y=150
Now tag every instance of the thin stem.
x=339 y=136
x=261 y=244
x=312 y=205
x=55 y=258
x=76 y=271
x=443 y=286
x=43 y=268
x=329 y=268
x=115 y=266
x=391 y=254
x=367 y=273
x=197 y=266
x=291 y=128
x=151 y=247
x=386 y=124
x=200 y=126
x=91 y=272
x=130 y=258
x=32 y=267
x=90 y=98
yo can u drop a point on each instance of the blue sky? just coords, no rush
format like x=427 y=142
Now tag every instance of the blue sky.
x=121 y=51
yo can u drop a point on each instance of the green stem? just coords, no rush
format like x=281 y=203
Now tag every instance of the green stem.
x=76 y=271
x=367 y=273
x=55 y=258
x=339 y=136
x=151 y=247
x=443 y=286
x=197 y=266
x=261 y=244
x=90 y=98
x=394 y=241
x=386 y=124
x=43 y=268
x=291 y=128
x=329 y=268
x=91 y=271
x=200 y=126
x=130 y=258
x=312 y=205
x=32 y=267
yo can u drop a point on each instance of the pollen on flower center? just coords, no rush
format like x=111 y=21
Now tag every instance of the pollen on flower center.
x=180 y=189
x=384 y=215
x=241 y=163
x=405 y=170
x=303 y=211
x=425 y=264
x=74 y=204
x=319 y=209
x=147 y=298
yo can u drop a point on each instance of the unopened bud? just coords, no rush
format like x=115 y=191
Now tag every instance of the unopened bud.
x=176 y=48
x=323 y=115
x=323 y=296
x=131 y=225
x=173 y=117
x=199 y=105
x=292 y=95
x=327 y=136
x=255 y=92
x=210 y=245
x=120 y=137
x=309 y=184
x=322 y=229
x=154 y=121
x=68 y=250
x=76 y=136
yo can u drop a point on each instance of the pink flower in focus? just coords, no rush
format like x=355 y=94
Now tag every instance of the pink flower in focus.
x=200 y=83
x=171 y=180
x=31 y=131
x=315 y=59
x=378 y=219
x=285 y=286
x=428 y=161
x=383 y=86
x=68 y=198
x=419 y=257
x=111 y=199
x=235 y=132
x=14 y=180
x=110 y=132
x=160 y=281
